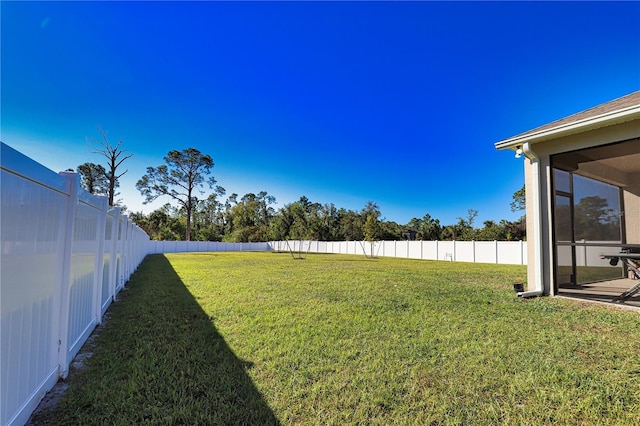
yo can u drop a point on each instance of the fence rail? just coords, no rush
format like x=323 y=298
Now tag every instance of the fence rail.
x=499 y=252
x=65 y=256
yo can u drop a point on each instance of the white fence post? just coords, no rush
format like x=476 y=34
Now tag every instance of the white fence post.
x=115 y=257
x=73 y=180
x=125 y=249
x=99 y=260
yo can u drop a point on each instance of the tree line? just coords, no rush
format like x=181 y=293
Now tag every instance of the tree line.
x=253 y=218
x=201 y=213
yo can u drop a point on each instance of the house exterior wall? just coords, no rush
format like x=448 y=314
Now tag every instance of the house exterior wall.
x=544 y=150
x=529 y=184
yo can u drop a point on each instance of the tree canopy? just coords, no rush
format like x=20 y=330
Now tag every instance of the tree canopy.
x=254 y=217
x=519 y=200
x=93 y=178
x=184 y=174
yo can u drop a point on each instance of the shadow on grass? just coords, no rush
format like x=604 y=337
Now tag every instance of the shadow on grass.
x=160 y=360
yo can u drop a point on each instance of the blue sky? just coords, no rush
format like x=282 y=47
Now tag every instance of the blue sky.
x=399 y=103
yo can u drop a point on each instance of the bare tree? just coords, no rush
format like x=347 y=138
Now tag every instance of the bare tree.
x=115 y=157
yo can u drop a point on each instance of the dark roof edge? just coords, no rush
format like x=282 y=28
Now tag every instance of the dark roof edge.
x=617 y=111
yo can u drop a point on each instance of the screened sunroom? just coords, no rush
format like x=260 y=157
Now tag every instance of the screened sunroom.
x=596 y=219
x=582 y=178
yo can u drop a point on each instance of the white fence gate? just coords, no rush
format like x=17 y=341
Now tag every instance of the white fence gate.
x=65 y=255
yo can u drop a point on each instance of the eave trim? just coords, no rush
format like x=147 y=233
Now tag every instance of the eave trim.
x=580 y=126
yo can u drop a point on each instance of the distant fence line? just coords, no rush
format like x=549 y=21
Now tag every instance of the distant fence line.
x=498 y=252
x=202 y=246
x=65 y=256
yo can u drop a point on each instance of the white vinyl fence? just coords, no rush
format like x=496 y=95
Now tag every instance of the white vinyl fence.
x=203 y=246
x=499 y=252
x=65 y=256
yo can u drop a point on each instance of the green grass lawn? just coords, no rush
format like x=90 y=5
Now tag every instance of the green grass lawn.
x=260 y=338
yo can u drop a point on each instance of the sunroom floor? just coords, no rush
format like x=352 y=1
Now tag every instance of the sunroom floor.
x=603 y=291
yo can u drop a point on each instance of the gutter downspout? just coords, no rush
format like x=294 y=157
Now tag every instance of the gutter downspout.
x=537 y=225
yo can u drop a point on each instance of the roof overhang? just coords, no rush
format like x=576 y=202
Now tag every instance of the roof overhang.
x=580 y=126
